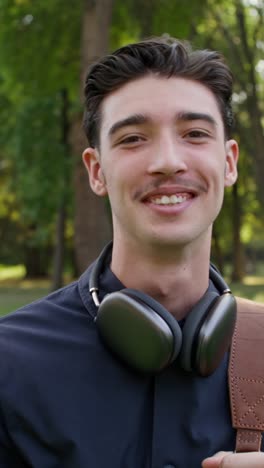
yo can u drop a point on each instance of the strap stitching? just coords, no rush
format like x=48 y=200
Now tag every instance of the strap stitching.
x=254 y=436
x=233 y=379
x=249 y=380
x=250 y=408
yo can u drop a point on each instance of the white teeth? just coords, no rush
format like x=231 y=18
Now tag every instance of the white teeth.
x=165 y=200
x=171 y=200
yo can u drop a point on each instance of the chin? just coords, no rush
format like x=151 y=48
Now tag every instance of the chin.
x=169 y=242
x=179 y=240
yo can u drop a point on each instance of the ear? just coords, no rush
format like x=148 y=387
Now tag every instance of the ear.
x=232 y=153
x=93 y=166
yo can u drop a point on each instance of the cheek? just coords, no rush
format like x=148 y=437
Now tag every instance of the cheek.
x=214 y=169
x=114 y=184
x=119 y=174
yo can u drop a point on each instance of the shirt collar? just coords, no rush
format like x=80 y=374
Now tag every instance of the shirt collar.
x=108 y=283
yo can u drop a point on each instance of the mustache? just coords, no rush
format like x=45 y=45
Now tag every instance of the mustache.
x=161 y=182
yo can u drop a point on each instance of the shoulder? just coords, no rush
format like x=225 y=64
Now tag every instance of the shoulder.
x=45 y=334
x=65 y=302
x=54 y=304
x=60 y=316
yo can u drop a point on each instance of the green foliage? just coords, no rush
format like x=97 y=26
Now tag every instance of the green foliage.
x=143 y=18
x=39 y=57
x=40 y=44
x=39 y=158
x=125 y=27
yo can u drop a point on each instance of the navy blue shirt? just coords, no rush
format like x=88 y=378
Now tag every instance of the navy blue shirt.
x=67 y=402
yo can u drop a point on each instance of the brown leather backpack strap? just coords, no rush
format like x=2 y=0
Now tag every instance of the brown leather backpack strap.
x=246 y=376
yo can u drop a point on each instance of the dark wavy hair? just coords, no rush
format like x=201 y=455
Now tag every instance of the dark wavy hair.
x=165 y=57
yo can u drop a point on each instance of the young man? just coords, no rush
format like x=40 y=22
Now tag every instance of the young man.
x=95 y=377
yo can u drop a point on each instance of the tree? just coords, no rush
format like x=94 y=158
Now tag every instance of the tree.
x=244 y=43
x=92 y=227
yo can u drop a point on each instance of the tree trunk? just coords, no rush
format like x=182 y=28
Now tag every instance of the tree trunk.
x=92 y=227
x=253 y=107
x=238 y=270
x=58 y=260
x=36 y=260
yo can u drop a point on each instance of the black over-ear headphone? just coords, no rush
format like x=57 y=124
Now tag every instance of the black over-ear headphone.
x=143 y=334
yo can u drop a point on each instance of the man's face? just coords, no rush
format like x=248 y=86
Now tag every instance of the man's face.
x=163 y=161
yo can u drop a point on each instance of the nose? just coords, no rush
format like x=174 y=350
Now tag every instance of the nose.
x=168 y=156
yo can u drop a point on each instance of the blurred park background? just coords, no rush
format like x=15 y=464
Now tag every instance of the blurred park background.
x=51 y=225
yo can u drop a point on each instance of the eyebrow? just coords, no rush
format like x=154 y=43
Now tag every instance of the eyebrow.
x=135 y=119
x=141 y=119
x=187 y=116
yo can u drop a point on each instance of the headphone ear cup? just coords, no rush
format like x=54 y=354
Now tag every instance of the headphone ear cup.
x=192 y=328
x=204 y=347
x=139 y=330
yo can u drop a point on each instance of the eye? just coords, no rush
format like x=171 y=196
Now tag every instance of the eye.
x=131 y=140
x=197 y=134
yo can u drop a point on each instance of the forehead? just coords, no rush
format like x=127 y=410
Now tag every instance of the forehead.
x=158 y=97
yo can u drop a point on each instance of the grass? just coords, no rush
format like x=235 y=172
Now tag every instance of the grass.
x=16 y=291
x=253 y=292
x=14 y=272
x=14 y=296
x=251 y=288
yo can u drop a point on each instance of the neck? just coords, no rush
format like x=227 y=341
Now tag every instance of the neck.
x=177 y=278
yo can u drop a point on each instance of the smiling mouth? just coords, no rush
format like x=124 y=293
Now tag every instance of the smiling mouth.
x=170 y=199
